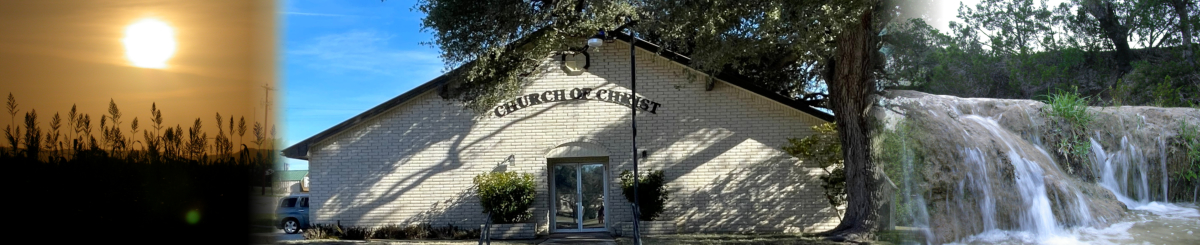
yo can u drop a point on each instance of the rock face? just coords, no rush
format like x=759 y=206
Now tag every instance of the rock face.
x=983 y=164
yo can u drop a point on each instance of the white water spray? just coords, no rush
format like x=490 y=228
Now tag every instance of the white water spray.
x=1030 y=178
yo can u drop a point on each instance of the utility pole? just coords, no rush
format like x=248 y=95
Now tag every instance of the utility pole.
x=266 y=116
x=267 y=106
x=637 y=207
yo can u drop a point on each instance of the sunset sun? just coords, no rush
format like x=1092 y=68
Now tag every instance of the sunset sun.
x=149 y=43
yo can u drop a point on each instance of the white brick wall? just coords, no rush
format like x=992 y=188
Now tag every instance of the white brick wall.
x=719 y=149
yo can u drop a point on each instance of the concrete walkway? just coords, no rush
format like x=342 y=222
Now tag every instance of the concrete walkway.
x=598 y=238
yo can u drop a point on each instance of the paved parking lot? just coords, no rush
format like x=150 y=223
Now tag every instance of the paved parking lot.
x=274 y=237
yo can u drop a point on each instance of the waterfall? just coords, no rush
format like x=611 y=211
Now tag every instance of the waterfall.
x=990 y=178
x=979 y=181
x=1118 y=167
x=920 y=214
x=1162 y=159
x=1038 y=217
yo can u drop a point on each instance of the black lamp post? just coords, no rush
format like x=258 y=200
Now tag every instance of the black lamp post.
x=596 y=41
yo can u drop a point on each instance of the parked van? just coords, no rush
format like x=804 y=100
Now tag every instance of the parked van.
x=292 y=214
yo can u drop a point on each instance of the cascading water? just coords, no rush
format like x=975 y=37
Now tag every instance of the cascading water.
x=979 y=181
x=1162 y=156
x=921 y=215
x=990 y=181
x=1038 y=217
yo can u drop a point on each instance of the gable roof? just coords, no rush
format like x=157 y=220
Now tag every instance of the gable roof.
x=300 y=150
x=293 y=175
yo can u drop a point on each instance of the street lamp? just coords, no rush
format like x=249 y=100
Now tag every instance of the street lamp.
x=595 y=42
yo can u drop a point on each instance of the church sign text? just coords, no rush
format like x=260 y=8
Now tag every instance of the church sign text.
x=617 y=97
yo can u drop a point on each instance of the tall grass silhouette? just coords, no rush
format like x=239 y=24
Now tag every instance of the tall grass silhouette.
x=117 y=184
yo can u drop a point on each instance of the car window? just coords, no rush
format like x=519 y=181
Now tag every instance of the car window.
x=288 y=203
x=304 y=202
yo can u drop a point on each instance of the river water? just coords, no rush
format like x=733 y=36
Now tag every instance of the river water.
x=1151 y=223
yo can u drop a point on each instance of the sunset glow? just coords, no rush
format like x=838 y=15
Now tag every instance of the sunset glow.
x=149 y=43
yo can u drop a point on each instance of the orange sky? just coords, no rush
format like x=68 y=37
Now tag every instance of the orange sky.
x=57 y=53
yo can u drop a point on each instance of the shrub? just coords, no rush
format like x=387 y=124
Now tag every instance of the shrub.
x=1165 y=94
x=420 y=231
x=453 y=232
x=322 y=231
x=506 y=196
x=652 y=193
x=389 y=231
x=825 y=149
x=423 y=231
x=357 y=233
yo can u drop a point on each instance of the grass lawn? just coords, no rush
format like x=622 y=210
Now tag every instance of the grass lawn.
x=728 y=239
x=389 y=242
x=262 y=223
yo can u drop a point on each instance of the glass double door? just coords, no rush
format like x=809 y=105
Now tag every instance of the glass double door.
x=578 y=197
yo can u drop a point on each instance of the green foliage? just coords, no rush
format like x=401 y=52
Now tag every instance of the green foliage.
x=1166 y=95
x=1069 y=112
x=1119 y=93
x=902 y=163
x=1069 y=106
x=507 y=196
x=1022 y=49
x=824 y=148
x=1189 y=139
x=651 y=193
x=758 y=39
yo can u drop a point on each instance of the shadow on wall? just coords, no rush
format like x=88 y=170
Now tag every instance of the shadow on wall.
x=427 y=133
x=770 y=196
x=461 y=209
x=358 y=196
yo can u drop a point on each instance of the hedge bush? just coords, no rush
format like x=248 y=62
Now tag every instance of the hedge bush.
x=652 y=193
x=507 y=196
x=421 y=231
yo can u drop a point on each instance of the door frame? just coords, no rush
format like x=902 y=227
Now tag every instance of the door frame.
x=579 y=188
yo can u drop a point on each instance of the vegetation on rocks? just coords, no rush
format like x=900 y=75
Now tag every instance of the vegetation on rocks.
x=1069 y=120
x=1189 y=140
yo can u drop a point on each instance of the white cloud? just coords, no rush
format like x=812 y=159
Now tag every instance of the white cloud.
x=365 y=51
x=318 y=14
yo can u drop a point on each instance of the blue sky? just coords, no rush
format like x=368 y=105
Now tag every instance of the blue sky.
x=340 y=58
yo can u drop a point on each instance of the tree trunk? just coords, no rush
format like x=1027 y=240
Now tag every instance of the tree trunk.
x=1180 y=7
x=850 y=85
x=1105 y=13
